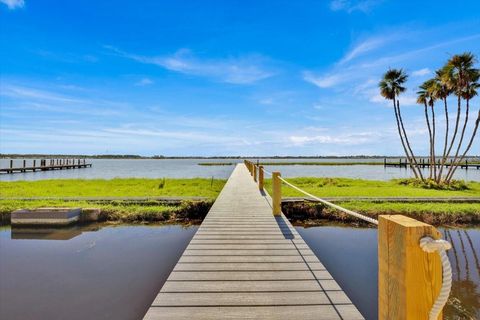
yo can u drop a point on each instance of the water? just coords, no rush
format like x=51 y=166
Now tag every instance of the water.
x=189 y=168
x=115 y=272
x=89 y=272
x=350 y=254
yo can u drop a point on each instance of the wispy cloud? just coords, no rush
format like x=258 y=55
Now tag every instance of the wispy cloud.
x=144 y=82
x=354 y=5
x=13 y=4
x=364 y=47
x=237 y=70
x=35 y=99
x=323 y=81
x=345 y=139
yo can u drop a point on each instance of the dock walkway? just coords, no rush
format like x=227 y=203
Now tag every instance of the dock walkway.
x=245 y=263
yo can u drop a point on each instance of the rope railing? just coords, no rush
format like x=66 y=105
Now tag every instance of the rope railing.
x=427 y=243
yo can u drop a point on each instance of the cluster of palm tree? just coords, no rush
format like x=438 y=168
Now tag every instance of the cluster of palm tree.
x=458 y=79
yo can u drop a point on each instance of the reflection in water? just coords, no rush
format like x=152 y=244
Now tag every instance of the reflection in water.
x=350 y=254
x=64 y=233
x=112 y=273
x=464 y=302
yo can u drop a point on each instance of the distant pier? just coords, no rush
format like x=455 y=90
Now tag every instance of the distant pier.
x=45 y=165
x=403 y=163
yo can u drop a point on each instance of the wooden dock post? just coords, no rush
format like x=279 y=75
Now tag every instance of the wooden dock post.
x=260 y=178
x=11 y=164
x=277 y=194
x=409 y=279
x=255 y=173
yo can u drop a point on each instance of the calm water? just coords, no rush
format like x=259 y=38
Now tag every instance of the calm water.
x=86 y=272
x=350 y=254
x=114 y=272
x=189 y=168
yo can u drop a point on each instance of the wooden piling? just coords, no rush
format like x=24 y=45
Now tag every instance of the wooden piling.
x=409 y=279
x=260 y=178
x=255 y=173
x=277 y=194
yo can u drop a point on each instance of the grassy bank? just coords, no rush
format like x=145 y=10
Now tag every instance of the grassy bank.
x=112 y=188
x=124 y=211
x=120 y=211
x=429 y=212
x=342 y=187
x=130 y=211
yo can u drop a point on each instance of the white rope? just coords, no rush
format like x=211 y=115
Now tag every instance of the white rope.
x=430 y=245
x=350 y=212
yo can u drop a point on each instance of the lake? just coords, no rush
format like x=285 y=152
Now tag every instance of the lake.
x=189 y=168
x=114 y=272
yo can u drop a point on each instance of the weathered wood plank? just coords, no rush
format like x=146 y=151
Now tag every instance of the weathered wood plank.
x=241 y=275
x=316 y=312
x=226 y=266
x=245 y=286
x=240 y=299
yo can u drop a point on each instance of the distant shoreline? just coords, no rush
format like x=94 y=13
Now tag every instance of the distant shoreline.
x=159 y=157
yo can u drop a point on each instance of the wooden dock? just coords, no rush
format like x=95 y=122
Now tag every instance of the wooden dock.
x=246 y=263
x=46 y=165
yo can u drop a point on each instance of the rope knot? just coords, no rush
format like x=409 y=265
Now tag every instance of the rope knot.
x=428 y=244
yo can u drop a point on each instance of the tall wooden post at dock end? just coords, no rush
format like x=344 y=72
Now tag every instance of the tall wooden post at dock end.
x=277 y=194
x=409 y=279
x=260 y=178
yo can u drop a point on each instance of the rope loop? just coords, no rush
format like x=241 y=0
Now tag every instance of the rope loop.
x=428 y=244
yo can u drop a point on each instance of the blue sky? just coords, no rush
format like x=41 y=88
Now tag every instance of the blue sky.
x=219 y=77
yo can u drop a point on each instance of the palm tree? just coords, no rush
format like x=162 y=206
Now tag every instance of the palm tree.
x=468 y=95
x=391 y=86
x=464 y=77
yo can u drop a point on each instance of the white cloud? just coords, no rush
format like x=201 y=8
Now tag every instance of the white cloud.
x=353 y=5
x=326 y=81
x=144 y=82
x=13 y=4
x=348 y=139
x=236 y=70
x=421 y=72
x=364 y=47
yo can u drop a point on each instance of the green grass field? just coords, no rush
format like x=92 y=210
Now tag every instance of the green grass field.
x=112 y=188
x=341 y=187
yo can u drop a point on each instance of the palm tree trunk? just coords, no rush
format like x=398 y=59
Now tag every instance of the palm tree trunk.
x=430 y=136
x=402 y=140
x=454 y=164
x=472 y=138
x=413 y=158
x=444 y=156
x=434 y=158
x=459 y=109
